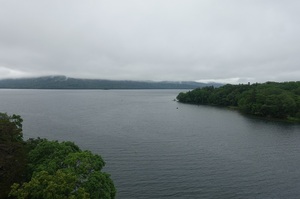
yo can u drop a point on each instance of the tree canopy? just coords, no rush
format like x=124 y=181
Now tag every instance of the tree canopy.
x=270 y=99
x=12 y=152
x=38 y=168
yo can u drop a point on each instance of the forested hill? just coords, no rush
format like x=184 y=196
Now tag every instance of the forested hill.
x=271 y=99
x=62 y=82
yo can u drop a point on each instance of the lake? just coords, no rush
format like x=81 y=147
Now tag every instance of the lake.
x=155 y=147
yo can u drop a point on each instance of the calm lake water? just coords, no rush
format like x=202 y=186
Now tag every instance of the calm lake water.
x=155 y=147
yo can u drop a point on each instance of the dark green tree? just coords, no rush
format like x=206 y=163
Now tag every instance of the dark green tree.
x=39 y=168
x=12 y=152
x=62 y=170
x=271 y=99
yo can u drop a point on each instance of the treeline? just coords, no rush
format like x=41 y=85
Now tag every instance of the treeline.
x=38 y=168
x=270 y=99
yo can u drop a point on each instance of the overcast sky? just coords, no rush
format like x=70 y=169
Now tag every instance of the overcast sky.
x=232 y=41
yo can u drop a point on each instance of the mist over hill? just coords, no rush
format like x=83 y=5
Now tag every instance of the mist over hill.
x=63 y=82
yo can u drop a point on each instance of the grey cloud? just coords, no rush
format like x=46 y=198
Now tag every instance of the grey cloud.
x=151 y=40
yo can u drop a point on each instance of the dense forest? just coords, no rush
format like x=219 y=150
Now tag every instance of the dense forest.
x=38 y=168
x=270 y=99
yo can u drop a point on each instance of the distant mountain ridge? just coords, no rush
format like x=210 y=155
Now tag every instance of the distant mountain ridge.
x=63 y=82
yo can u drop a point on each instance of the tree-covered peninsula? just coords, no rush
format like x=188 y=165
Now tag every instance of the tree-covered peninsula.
x=270 y=99
x=42 y=169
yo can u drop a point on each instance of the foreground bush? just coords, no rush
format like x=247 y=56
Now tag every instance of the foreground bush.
x=49 y=169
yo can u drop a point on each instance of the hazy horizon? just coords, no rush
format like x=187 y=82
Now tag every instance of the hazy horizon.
x=196 y=81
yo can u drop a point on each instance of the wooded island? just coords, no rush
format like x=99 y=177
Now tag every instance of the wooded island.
x=270 y=99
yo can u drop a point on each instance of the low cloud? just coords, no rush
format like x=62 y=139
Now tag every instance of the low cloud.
x=232 y=41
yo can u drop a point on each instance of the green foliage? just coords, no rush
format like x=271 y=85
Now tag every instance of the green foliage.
x=61 y=184
x=271 y=99
x=39 y=168
x=83 y=162
x=10 y=128
x=48 y=155
x=12 y=152
x=62 y=170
